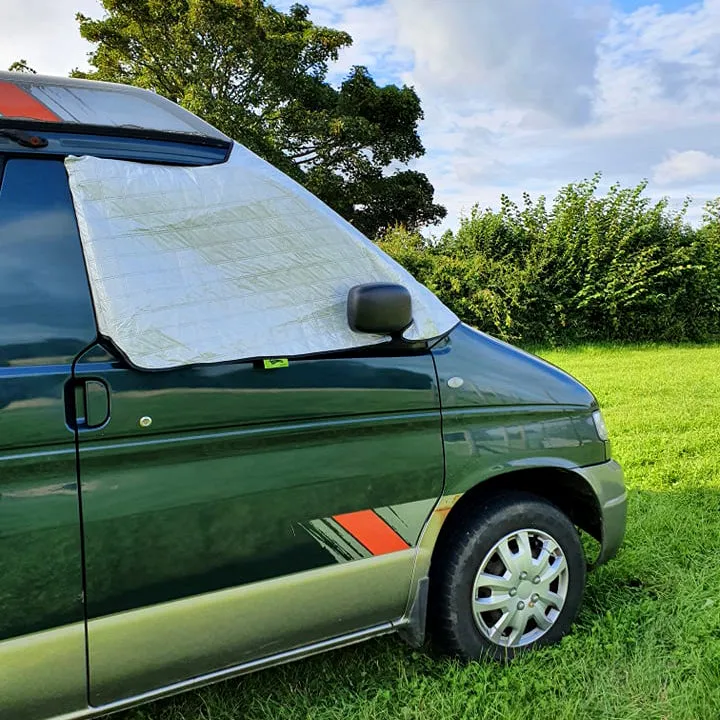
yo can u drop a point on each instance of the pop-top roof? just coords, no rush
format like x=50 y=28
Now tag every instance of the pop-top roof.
x=88 y=102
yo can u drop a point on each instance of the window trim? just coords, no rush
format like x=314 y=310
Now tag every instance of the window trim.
x=114 y=131
x=5 y=160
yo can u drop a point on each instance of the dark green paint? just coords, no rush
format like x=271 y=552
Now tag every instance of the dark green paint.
x=45 y=321
x=498 y=375
x=213 y=494
x=513 y=411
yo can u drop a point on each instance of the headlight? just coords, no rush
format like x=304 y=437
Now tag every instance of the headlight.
x=600 y=426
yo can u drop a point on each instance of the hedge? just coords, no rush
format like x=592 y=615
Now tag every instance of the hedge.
x=613 y=267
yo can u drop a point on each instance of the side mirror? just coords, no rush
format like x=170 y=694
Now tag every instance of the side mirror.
x=379 y=308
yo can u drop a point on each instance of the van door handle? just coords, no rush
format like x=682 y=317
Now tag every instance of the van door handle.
x=87 y=403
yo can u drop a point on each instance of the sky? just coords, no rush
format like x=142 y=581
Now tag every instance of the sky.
x=518 y=95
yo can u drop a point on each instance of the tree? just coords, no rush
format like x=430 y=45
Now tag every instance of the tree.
x=260 y=76
x=21 y=66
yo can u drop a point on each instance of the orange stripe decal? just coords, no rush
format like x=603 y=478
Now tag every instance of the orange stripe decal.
x=368 y=528
x=15 y=102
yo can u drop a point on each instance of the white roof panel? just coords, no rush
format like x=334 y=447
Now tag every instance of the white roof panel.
x=88 y=102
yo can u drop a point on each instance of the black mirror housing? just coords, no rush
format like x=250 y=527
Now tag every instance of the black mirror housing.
x=379 y=308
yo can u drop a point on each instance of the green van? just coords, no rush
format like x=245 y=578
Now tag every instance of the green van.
x=163 y=530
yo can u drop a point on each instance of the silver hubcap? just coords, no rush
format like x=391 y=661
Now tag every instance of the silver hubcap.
x=520 y=588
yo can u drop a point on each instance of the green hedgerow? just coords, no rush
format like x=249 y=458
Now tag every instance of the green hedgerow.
x=617 y=267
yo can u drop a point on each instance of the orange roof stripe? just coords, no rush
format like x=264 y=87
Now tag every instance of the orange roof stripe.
x=15 y=102
x=368 y=528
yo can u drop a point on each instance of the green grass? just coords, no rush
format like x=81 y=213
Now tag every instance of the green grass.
x=647 y=642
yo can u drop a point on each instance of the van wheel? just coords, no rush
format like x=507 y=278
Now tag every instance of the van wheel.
x=509 y=577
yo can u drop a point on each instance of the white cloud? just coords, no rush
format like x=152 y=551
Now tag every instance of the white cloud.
x=681 y=167
x=45 y=33
x=375 y=31
x=520 y=54
x=661 y=67
x=530 y=96
x=651 y=79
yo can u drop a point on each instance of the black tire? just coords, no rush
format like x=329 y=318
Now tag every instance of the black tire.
x=453 y=627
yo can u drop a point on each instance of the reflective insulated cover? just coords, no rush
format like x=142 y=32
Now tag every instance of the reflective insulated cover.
x=225 y=262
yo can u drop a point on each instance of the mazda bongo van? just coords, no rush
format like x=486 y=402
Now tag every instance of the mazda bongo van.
x=161 y=529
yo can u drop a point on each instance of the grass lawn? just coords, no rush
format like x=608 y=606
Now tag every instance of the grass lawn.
x=647 y=643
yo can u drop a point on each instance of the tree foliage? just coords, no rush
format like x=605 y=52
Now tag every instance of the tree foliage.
x=260 y=76
x=588 y=268
x=21 y=66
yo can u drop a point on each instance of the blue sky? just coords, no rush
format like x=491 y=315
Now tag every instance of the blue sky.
x=518 y=95
x=667 y=5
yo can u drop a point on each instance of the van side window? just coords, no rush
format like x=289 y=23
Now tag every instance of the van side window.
x=46 y=314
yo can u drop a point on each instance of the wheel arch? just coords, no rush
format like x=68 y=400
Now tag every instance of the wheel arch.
x=567 y=490
x=571 y=493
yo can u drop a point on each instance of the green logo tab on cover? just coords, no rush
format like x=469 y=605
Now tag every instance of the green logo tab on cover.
x=276 y=363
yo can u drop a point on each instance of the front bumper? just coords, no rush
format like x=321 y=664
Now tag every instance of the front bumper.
x=608 y=482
